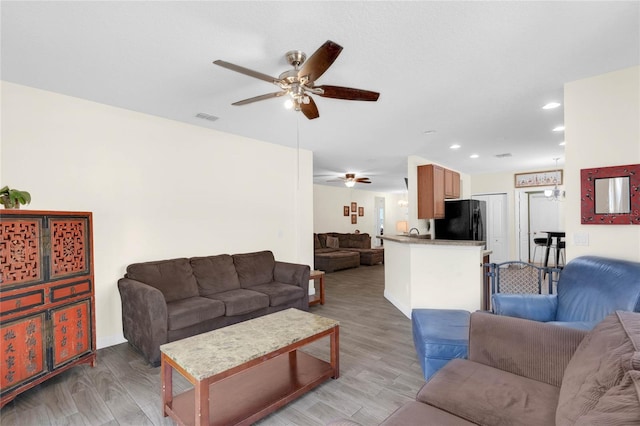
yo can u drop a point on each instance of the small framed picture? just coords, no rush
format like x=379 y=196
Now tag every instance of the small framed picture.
x=360 y=211
x=546 y=178
x=345 y=210
x=354 y=219
x=354 y=207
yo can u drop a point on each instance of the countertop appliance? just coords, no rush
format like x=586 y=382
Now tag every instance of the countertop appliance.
x=463 y=220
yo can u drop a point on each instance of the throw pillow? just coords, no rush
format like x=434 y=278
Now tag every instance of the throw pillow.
x=599 y=364
x=333 y=242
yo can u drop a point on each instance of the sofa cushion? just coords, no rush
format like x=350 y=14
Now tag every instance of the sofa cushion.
x=333 y=242
x=194 y=310
x=215 y=274
x=316 y=242
x=174 y=277
x=323 y=240
x=599 y=364
x=241 y=301
x=254 y=268
x=279 y=293
x=489 y=396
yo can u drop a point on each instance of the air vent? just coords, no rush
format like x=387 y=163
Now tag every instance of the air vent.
x=205 y=116
x=506 y=155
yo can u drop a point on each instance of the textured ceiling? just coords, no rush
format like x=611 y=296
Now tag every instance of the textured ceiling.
x=474 y=73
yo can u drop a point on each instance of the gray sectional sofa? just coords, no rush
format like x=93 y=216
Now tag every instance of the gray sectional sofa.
x=334 y=251
x=168 y=300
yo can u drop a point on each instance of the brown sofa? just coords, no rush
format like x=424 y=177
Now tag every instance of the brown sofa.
x=522 y=372
x=168 y=300
x=330 y=257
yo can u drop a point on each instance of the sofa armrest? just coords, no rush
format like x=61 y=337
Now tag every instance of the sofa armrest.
x=294 y=274
x=144 y=317
x=535 y=307
x=527 y=348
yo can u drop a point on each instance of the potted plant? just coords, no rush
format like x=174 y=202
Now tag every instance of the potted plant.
x=12 y=198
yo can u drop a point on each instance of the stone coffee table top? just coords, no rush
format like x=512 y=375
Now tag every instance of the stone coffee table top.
x=214 y=352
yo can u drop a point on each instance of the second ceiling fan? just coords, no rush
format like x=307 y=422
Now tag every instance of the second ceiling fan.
x=299 y=82
x=350 y=180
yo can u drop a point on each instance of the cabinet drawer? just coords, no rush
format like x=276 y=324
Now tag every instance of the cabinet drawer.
x=21 y=302
x=67 y=291
x=23 y=351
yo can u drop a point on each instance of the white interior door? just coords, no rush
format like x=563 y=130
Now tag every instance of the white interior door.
x=379 y=222
x=522 y=225
x=497 y=226
x=544 y=215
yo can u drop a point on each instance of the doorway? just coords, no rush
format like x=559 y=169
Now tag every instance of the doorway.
x=497 y=228
x=379 y=222
x=536 y=215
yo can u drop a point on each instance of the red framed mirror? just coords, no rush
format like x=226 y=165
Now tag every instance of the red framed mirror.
x=610 y=195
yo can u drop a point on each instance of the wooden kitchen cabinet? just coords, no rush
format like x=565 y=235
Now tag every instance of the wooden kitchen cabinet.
x=451 y=184
x=430 y=192
x=47 y=303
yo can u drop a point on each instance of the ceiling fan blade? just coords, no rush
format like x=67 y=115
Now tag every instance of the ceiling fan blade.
x=310 y=110
x=363 y=180
x=246 y=71
x=320 y=61
x=260 y=98
x=348 y=93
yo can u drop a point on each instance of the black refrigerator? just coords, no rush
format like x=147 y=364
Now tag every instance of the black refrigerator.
x=463 y=220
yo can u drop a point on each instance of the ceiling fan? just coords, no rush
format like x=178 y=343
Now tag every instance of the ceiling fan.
x=350 y=180
x=299 y=82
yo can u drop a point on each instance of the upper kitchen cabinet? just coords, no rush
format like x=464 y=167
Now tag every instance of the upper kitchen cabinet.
x=430 y=192
x=435 y=184
x=451 y=184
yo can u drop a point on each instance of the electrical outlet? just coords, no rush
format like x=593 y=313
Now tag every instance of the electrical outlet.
x=581 y=239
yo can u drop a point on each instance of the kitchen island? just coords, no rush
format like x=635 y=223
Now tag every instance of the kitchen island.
x=425 y=273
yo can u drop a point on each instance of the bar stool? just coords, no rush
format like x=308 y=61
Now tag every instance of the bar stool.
x=561 y=248
x=539 y=242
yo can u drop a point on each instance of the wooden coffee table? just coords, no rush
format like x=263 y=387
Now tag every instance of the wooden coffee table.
x=245 y=371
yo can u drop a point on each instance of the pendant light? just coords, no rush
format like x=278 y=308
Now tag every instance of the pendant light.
x=555 y=194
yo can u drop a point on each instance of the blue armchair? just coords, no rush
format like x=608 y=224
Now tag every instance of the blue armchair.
x=589 y=289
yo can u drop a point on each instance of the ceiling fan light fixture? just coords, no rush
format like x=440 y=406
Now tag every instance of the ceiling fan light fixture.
x=349 y=183
x=288 y=104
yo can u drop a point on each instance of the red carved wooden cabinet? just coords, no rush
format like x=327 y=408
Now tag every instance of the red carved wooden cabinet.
x=47 y=303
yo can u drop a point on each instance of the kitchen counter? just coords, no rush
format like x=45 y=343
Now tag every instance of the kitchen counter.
x=417 y=240
x=436 y=274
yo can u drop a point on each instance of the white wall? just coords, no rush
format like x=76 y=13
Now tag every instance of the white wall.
x=157 y=188
x=328 y=203
x=602 y=128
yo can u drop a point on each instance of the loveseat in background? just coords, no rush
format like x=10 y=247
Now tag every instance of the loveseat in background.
x=168 y=300
x=334 y=251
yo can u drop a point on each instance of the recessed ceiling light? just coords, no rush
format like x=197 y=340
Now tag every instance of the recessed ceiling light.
x=428 y=132
x=558 y=129
x=551 y=105
x=474 y=156
x=563 y=143
x=454 y=146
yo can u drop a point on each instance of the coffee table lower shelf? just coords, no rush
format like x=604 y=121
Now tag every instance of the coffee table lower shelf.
x=250 y=395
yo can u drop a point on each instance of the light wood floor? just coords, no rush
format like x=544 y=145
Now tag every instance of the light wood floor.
x=379 y=371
